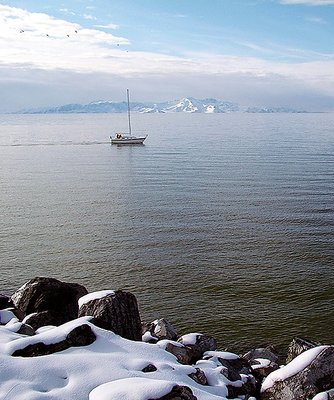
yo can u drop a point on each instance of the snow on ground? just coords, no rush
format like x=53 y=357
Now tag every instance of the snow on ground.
x=6 y=316
x=85 y=372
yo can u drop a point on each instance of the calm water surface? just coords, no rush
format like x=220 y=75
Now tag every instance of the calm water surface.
x=221 y=223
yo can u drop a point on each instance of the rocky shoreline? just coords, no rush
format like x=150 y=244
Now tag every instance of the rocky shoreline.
x=43 y=304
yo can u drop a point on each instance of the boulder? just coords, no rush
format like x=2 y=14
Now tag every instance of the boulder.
x=238 y=365
x=268 y=353
x=5 y=302
x=117 y=312
x=160 y=329
x=310 y=373
x=80 y=336
x=26 y=329
x=44 y=318
x=298 y=346
x=262 y=368
x=198 y=344
x=238 y=371
x=246 y=390
x=49 y=294
x=182 y=353
x=178 y=393
x=199 y=377
x=263 y=360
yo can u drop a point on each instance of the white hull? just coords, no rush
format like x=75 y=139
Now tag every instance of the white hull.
x=127 y=139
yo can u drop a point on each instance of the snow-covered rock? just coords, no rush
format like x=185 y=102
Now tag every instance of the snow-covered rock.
x=57 y=300
x=114 y=310
x=303 y=378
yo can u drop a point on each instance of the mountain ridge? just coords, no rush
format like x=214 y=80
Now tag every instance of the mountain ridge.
x=186 y=105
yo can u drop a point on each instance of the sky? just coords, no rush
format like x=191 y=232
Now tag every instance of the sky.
x=252 y=52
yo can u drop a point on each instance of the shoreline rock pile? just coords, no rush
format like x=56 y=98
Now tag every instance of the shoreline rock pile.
x=44 y=302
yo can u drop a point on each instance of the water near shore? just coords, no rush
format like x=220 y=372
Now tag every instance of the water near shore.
x=221 y=223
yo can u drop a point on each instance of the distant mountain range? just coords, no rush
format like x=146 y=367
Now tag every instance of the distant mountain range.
x=187 y=105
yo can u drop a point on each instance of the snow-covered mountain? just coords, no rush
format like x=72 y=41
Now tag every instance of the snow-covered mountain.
x=188 y=105
x=192 y=105
x=268 y=110
x=185 y=105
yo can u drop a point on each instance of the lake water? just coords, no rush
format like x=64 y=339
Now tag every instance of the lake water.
x=220 y=223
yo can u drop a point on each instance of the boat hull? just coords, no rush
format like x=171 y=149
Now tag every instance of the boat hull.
x=128 y=140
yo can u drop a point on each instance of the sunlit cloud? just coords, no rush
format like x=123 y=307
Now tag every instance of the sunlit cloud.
x=41 y=41
x=38 y=42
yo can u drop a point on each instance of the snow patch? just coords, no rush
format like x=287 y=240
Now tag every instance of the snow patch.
x=94 y=296
x=225 y=355
x=6 y=315
x=132 y=389
x=147 y=337
x=263 y=363
x=190 y=338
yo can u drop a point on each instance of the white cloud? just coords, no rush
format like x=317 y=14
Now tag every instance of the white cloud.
x=89 y=17
x=108 y=26
x=316 y=20
x=40 y=41
x=86 y=61
x=67 y=11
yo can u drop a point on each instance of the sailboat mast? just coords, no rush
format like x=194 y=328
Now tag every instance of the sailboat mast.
x=127 y=93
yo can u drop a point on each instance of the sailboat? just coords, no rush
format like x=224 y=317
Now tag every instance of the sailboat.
x=127 y=138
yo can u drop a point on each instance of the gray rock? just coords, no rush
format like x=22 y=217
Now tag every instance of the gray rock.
x=27 y=330
x=203 y=343
x=161 y=329
x=239 y=365
x=298 y=346
x=49 y=294
x=248 y=389
x=317 y=377
x=261 y=372
x=178 y=393
x=269 y=353
x=5 y=302
x=117 y=312
x=183 y=354
x=199 y=377
x=43 y=318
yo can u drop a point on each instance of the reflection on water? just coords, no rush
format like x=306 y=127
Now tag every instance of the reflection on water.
x=221 y=223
